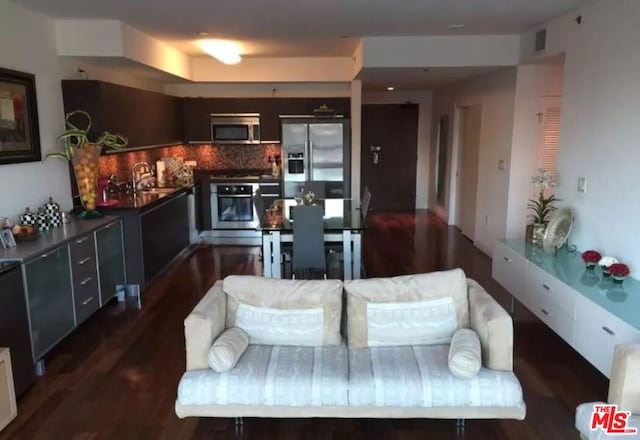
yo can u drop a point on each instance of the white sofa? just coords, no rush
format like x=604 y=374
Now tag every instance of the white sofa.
x=624 y=391
x=358 y=378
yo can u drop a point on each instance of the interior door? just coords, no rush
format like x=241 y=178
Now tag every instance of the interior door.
x=470 y=146
x=389 y=154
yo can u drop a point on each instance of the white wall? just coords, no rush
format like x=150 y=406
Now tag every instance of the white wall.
x=533 y=82
x=424 y=101
x=496 y=93
x=28 y=44
x=600 y=129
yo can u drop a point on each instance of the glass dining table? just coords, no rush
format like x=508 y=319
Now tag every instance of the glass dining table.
x=343 y=223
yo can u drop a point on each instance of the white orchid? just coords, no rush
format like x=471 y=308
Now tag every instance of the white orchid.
x=544 y=179
x=607 y=261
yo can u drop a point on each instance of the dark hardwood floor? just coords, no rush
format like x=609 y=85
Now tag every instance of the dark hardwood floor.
x=115 y=377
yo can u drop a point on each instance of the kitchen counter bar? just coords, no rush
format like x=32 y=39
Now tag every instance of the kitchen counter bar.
x=53 y=238
x=143 y=200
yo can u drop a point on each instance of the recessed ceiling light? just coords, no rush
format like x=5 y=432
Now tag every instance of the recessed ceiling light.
x=456 y=26
x=391 y=88
x=226 y=52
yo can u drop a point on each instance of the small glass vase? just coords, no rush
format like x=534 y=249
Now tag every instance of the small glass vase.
x=538 y=233
x=605 y=271
x=590 y=266
x=85 y=167
x=617 y=279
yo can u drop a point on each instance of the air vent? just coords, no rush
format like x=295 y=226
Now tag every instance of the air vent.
x=541 y=40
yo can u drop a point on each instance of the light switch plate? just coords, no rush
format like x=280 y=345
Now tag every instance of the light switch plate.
x=582 y=184
x=501 y=164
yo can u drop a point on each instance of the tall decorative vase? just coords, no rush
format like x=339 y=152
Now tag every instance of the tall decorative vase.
x=85 y=166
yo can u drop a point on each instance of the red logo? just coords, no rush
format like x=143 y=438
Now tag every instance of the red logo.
x=612 y=421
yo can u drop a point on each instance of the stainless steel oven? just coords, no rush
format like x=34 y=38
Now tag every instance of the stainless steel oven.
x=233 y=207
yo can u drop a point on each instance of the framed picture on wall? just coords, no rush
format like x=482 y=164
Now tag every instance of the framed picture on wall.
x=19 y=133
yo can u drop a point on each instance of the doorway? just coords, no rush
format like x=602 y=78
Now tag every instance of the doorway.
x=470 y=118
x=389 y=155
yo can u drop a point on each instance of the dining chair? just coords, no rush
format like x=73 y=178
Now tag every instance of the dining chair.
x=308 y=259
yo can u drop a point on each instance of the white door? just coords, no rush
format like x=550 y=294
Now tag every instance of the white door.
x=468 y=183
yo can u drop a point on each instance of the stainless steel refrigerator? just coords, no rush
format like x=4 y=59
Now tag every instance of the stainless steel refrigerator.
x=316 y=156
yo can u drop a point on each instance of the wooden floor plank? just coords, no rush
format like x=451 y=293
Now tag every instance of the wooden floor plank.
x=116 y=376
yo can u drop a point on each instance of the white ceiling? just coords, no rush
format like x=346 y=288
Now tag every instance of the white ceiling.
x=413 y=79
x=308 y=27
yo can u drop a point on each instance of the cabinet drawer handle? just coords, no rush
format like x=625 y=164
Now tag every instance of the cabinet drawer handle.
x=507 y=259
x=86 y=260
x=44 y=256
x=546 y=287
x=545 y=312
x=608 y=330
x=87 y=301
x=82 y=240
x=85 y=281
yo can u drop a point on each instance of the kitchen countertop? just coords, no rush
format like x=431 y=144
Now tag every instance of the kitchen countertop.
x=235 y=176
x=143 y=200
x=54 y=238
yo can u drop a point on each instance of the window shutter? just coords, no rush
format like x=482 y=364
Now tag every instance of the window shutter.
x=549 y=137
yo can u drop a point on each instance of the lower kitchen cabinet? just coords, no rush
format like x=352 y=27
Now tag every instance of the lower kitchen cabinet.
x=110 y=252
x=587 y=310
x=64 y=272
x=50 y=299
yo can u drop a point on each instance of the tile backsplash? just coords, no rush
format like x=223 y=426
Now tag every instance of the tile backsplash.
x=208 y=156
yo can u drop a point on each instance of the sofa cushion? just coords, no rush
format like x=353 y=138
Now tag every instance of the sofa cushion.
x=273 y=375
x=266 y=325
x=365 y=296
x=465 y=354
x=417 y=376
x=291 y=295
x=227 y=349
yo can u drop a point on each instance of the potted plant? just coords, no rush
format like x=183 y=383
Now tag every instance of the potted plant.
x=591 y=258
x=618 y=272
x=83 y=155
x=542 y=207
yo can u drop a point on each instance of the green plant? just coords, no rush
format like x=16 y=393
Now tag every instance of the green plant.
x=541 y=208
x=74 y=138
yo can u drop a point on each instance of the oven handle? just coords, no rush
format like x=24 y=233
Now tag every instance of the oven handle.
x=236 y=196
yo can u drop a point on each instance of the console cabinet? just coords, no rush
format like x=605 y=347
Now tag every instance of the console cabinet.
x=586 y=309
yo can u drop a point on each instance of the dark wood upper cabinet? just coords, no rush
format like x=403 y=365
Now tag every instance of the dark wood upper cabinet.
x=144 y=117
x=197 y=110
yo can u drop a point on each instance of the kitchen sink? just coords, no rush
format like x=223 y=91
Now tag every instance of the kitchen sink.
x=157 y=190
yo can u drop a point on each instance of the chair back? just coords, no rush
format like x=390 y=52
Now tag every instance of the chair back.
x=364 y=202
x=258 y=202
x=308 y=240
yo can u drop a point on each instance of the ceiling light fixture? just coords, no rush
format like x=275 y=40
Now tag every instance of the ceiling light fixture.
x=456 y=26
x=224 y=51
x=391 y=88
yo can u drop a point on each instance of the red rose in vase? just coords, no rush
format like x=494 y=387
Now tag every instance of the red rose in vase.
x=591 y=257
x=619 y=270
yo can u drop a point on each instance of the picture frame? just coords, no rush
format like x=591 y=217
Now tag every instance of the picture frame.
x=19 y=126
x=7 y=239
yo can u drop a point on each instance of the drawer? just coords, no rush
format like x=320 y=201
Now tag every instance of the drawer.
x=82 y=247
x=555 y=318
x=86 y=298
x=541 y=284
x=83 y=268
x=597 y=334
x=509 y=269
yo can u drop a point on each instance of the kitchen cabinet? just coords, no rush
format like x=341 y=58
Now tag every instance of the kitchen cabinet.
x=196 y=112
x=14 y=326
x=144 y=117
x=165 y=233
x=50 y=299
x=84 y=276
x=588 y=311
x=110 y=252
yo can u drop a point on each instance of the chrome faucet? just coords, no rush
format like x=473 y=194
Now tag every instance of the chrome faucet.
x=135 y=178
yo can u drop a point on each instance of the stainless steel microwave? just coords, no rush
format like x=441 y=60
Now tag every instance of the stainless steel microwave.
x=235 y=128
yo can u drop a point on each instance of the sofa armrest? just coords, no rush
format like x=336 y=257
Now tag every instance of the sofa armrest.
x=494 y=326
x=624 y=386
x=203 y=325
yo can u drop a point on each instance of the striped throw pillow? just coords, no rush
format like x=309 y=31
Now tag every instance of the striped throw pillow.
x=465 y=354
x=227 y=349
